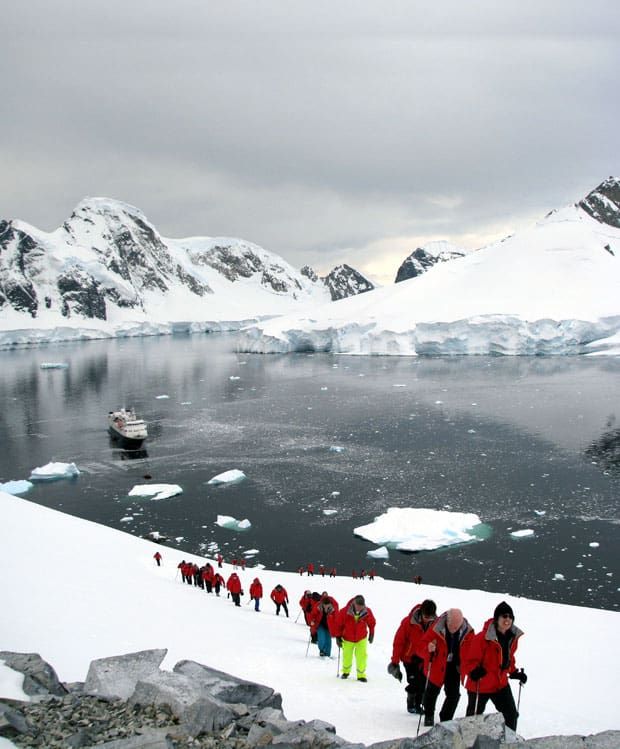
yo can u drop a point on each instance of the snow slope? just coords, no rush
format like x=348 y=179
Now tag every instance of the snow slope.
x=553 y=289
x=99 y=593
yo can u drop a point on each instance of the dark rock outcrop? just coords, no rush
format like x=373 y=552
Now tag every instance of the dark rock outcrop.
x=344 y=281
x=421 y=260
x=603 y=203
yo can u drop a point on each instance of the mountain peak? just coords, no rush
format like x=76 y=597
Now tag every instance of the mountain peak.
x=603 y=203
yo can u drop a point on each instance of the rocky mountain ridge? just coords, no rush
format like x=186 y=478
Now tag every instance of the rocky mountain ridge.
x=422 y=259
x=108 y=260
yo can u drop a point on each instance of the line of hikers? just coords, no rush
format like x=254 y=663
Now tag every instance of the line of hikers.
x=322 y=571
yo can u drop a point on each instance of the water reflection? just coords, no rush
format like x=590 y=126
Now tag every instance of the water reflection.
x=606 y=449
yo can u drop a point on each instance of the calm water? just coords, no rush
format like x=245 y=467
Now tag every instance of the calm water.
x=506 y=438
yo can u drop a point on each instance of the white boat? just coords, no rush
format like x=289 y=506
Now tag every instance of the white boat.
x=125 y=426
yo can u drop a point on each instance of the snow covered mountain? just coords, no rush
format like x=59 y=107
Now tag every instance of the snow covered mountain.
x=553 y=288
x=109 y=263
x=424 y=258
x=344 y=281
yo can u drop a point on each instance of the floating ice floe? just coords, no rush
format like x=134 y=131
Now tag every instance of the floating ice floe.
x=53 y=471
x=127 y=519
x=540 y=512
x=234 y=377
x=336 y=449
x=251 y=552
x=559 y=576
x=53 y=365
x=228 y=477
x=162 y=397
x=594 y=545
x=420 y=529
x=329 y=512
x=334 y=494
x=156 y=491
x=380 y=553
x=522 y=534
x=232 y=524
x=16 y=487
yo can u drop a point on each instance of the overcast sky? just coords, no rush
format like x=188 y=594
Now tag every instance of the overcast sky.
x=326 y=132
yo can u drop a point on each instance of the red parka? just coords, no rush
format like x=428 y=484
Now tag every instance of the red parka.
x=437 y=633
x=352 y=626
x=279 y=595
x=409 y=636
x=256 y=589
x=307 y=605
x=234 y=583
x=485 y=650
x=326 y=610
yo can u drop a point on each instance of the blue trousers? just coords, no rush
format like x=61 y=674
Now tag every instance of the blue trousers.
x=324 y=641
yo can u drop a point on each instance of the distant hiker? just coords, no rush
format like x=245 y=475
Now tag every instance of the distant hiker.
x=323 y=623
x=280 y=597
x=332 y=572
x=371 y=575
x=353 y=628
x=441 y=646
x=301 y=570
x=243 y=563
x=157 y=558
x=196 y=575
x=218 y=581
x=234 y=564
x=363 y=574
x=354 y=574
x=310 y=569
x=306 y=605
x=234 y=588
x=489 y=662
x=220 y=559
x=256 y=593
x=181 y=566
x=208 y=573
x=322 y=570
x=418 y=579
x=407 y=642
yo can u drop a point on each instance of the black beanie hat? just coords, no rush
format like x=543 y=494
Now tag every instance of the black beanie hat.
x=502 y=608
x=428 y=608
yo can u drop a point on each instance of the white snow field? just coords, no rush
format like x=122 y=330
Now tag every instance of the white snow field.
x=103 y=595
x=551 y=289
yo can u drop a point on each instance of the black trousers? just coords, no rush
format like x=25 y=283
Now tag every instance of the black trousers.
x=453 y=695
x=504 y=703
x=283 y=605
x=236 y=598
x=416 y=681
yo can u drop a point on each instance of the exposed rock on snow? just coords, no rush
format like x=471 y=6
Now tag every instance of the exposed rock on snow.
x=344 y=281
x=117 y=677
x=424 y=258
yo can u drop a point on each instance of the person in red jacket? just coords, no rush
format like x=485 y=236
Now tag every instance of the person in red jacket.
x=218 y=581
x=256 y=593
x=157 y=558
x=310 y=569
x=234 y=588
x=322 y=623
x=220 y=559
x=405 y=648
x=353 y=628
x=208 y=573
x=280 y=597
x=489 y=662
x=441 y=646
x=306 y=605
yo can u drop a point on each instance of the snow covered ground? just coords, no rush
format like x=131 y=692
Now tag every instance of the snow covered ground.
x=91 y=591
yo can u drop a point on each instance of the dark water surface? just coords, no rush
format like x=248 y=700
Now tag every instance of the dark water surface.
x=506 y=438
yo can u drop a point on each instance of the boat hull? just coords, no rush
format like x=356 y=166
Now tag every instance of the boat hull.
x=124 y=440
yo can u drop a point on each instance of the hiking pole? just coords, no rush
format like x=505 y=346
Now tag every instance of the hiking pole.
x=338 y=666
x=308 y=645
x=428 y=676
x=477 y=695
x=299 y=612
x=518 y=700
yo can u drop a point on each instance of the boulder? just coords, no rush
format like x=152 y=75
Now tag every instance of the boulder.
x=227 y=688
x=12 y=722
x=316 y=734
x=39 y=677
x=116 y=677
x=152 y=739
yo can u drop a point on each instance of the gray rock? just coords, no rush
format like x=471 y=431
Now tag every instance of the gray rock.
x=313 y=735
x=486 y=742
x=267 y=723
x=404 y=743
x=116 y=677
x=12 y=721
x=154 y=739
x=39 y=676
x=204 y=715
x=227 y=688
x=556 y=742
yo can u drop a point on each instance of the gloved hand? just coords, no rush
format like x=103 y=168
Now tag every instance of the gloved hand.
x=477 y=673
x=371 y=637
x=520 y=675
x=339 y=641
x=314 y=638
x=393 y=669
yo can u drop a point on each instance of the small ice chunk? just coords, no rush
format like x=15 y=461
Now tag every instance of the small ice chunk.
x=162 y=397
x=16 y=487
x=53 y=365
x=334 y=494
x=228 y=477
x=559 y=576
x=522 y=534
x=127 y=519
x=251 y=552
x=323 y=388
x=234 y=377
x=380 y=553
x=594 y=545
x=186 y=403
x=232 y=524
x=540 y=512
x=329 y=512
x=399 y=385
x=53 y=471
x=336 y=449
x=156 y=491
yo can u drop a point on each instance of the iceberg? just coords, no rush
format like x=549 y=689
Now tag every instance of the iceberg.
x=16 y=487
x=419 y=529
x=54 y=471
x=53 y=365
x=522 y=534
x=329 y=512
x=380 y=553
x=155 y=491
x=228 y=477
x=232 y=524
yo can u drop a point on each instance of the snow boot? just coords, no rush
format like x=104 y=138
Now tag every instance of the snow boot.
x=429 y=720
x=362 y=678
x=344 y=676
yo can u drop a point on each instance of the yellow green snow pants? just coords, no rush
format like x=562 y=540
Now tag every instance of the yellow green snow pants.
x=361 y=657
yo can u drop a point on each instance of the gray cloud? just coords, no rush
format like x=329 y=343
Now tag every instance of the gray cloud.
x=319 y=130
